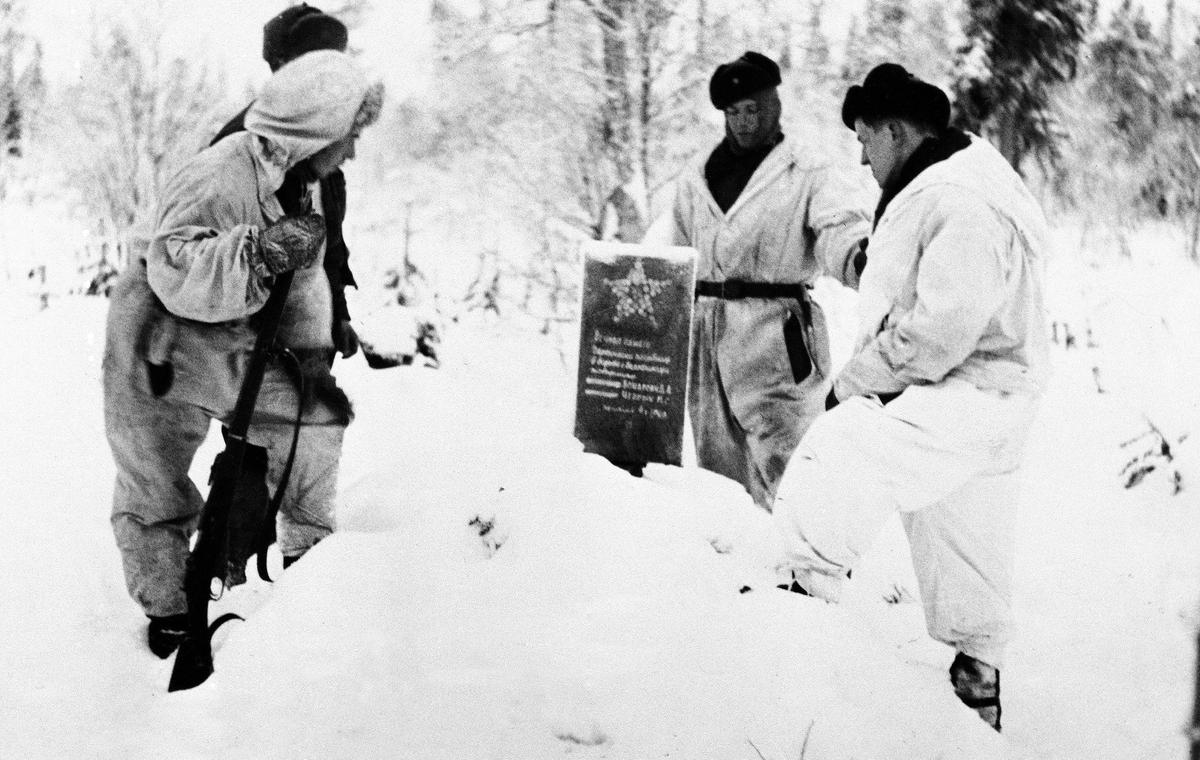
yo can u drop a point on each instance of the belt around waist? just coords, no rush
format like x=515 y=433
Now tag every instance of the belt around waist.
x=734 y=289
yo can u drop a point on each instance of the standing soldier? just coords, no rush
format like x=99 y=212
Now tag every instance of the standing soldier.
x=182 y=323
x=931 y=414
x=291 y=33
x=768 y=216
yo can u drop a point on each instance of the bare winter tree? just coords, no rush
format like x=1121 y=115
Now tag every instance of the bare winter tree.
x=573 y=114
x=21 y=93
x=21 y=84
x=635 y=62
x=135 y=113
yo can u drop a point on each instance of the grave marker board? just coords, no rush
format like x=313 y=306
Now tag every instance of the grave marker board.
x=634 y=336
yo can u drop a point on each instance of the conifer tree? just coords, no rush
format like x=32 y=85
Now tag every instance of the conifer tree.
x=1129 y=75
x=1016 y=52
x=912 y=33
x=882 y=37
x=1181 y=146
x=134 y=114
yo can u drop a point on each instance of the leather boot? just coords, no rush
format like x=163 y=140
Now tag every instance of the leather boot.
x=165 y=634
x=977 y=684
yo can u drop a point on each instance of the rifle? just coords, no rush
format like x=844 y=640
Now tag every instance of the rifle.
x=208 y=560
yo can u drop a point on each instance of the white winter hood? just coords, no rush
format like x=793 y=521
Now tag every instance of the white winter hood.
x=309 y=103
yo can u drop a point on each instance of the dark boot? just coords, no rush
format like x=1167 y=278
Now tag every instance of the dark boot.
x=165 y=634
x=977 y=684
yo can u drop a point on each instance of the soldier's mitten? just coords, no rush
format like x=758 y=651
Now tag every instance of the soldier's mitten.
x=345 y=338
x=293 y=242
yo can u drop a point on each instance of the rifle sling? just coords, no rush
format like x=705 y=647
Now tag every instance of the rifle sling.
x=268 y=320
x=267 y=532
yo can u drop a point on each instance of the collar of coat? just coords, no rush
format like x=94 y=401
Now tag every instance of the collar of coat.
x=785 y=155
x=729 y=168
x=928 y=153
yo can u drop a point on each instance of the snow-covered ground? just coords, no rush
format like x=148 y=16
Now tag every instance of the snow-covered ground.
x=496 y=593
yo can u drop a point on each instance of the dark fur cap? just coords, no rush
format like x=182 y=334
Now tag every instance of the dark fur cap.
x=890 y=91
x=301 y=29
x=741 y=78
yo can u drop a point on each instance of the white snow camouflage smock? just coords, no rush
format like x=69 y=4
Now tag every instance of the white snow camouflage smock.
x=952 y=318
x=796 y=219
x=184 y=306
x=954 y=287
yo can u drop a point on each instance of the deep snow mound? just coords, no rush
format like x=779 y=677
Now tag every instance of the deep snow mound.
x=569 y=608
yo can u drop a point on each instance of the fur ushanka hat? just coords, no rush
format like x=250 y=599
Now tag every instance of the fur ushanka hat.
x=891 y=91
x=301 y=29
x=741 y=78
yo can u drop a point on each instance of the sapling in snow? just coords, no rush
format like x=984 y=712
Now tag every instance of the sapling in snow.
x=1153 y=451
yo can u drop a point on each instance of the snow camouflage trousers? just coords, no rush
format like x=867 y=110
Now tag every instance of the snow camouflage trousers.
x=747 y=409
x=154 y=438
x=947 y=457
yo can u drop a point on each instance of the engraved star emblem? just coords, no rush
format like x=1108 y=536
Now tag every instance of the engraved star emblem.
x=635 y=294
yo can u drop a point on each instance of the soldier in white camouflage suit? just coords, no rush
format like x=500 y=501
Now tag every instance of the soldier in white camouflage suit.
x=931 y=413
x=767 y=216
x=181 y=327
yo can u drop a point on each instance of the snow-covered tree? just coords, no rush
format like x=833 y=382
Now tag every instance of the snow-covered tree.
x=1182 y=147
x=880 y=39
x=1016 y=51
x=1130 y=75
x=21 y=85
x=934 y=35
x=137 y=110
x=21 y=94
x=813 y=114
x=817 y=55
x=572 y=116
x=1114 y=121
x=913 y=33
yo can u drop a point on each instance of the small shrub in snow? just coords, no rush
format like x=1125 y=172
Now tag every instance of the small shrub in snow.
x=395 y=336
x=1153 y=452
x=898 y=594
x=485 y=526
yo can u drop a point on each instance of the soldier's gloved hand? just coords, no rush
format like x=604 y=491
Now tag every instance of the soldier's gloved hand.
x=346 y=338
x=292 y=242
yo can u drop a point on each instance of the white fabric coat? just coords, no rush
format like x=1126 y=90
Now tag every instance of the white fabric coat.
x=183 y=307
x=952 y=316
x=214 y=207
x=954 y=284
x=796 y=219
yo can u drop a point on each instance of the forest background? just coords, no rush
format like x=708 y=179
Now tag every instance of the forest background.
x=519 y=128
